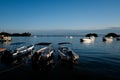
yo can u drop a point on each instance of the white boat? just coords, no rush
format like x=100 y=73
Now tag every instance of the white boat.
x=65 y=52
x=5 y=38
x=45 y=49
x=17 y=55
x=24 y=50
x=88 y=39
x=43 y=56
x=108 y=39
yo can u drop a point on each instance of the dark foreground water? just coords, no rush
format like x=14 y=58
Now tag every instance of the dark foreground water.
x=98 y=61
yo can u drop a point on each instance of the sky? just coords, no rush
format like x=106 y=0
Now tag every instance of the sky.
x=28 y=15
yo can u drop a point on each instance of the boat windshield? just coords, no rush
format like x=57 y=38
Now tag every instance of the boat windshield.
x=44 y=45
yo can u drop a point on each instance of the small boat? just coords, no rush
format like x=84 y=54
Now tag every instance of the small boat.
x=16 y=55
x=45 y=49
x=108 y=39
x=23 y=51
x=88 y=40
x=65 y=53
x=5 y=38
x=42 y=56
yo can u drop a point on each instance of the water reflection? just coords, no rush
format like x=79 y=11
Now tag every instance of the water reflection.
x=42 y=65
x=87 y=44
x=108 y=42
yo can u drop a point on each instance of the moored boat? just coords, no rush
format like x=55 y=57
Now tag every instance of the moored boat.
x=5 y=38
x=66 y=53
x=88 y=39
x=108 y=39
x=45 y=49
x=16 y=55
x=42 y=56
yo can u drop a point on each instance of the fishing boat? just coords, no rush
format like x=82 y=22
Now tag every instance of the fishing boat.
x=66 y=53
x=43 y=55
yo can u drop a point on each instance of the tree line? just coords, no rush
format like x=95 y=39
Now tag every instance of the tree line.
x=15 y=34
x=107 y=35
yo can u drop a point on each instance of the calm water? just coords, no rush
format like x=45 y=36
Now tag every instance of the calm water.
x=98 y=60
